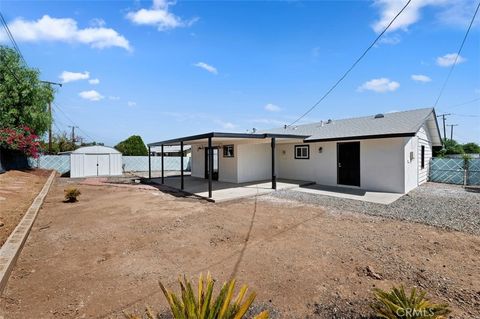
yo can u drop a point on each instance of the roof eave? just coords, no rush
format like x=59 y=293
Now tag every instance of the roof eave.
x=360 y=137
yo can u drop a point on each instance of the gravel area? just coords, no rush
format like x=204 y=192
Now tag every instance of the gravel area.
x=442 y=205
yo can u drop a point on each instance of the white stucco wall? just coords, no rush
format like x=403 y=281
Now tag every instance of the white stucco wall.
x=227 y=166
x=381 y=164
x=254 y=162
x=385 y=164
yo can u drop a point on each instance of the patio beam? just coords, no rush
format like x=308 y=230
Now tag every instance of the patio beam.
x=274 y=175
x=149 y=163
x=181 y=166
x=210 y=166
x=163 y=171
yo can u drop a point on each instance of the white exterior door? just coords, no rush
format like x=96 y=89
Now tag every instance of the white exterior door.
x=103 y=161
x=90 y=165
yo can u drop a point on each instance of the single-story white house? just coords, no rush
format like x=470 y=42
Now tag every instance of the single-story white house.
x=384 y=152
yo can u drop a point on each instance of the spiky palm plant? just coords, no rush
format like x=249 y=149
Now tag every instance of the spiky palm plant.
x=205 y=306
x=395 y=304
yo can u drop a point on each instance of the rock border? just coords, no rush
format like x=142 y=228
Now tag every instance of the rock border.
x=11 y=249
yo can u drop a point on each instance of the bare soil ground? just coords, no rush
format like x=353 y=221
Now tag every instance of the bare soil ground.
x=106 y=253
x=18 y=189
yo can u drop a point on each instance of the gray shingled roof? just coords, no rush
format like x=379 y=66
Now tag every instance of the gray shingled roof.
x=405 y=122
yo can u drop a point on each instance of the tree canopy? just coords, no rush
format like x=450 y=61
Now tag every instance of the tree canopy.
x=23 y=98
x=132 y=146
x=453 y=147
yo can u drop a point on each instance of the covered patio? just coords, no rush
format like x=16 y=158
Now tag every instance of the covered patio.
x=211 y=143
x=224 y=191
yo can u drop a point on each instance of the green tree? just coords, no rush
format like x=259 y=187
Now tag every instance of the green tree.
x=23 y=98
x=450 y=147
x=132 y=146
x=471 y=148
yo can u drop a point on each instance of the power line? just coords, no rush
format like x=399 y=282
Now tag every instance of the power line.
x=462 y=104
x=466 y=115
x=351 y=68
x=12 y=39
x=456 y=57
x=74 y=124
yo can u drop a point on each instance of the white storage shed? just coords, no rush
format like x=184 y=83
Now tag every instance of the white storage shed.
x=95 y=161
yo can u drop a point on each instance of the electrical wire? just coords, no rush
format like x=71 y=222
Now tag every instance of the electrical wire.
x=456 y=57
x=351 y=67
x=12 y=39
x=55 y=105
x=462 y=104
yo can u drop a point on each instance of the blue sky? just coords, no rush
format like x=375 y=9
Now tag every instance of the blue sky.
x=164 y=69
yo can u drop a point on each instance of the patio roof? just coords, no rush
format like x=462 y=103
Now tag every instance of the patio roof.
x=200 y=137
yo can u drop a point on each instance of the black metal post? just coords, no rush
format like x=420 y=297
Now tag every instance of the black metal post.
x=149 y=164
x=210 y=166
x=181 y=166
x=274 y=175
x=163 y=172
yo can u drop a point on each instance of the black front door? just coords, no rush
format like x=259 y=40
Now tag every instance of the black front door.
x=348 y=163
x=215 y=163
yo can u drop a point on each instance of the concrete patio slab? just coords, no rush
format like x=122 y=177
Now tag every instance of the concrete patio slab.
x=351 y=193
x=223 y=191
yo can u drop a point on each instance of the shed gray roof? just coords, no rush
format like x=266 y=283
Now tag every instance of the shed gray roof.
x=392 y=124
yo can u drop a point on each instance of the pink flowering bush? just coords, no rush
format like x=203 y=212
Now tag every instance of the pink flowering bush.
x=21 y=139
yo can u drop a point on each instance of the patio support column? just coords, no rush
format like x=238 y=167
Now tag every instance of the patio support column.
x=181 y=166
x=210 y=166
x=149 y=164
x=163 y=171
x=274 y=175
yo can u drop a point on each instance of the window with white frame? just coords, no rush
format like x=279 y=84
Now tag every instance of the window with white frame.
x=302 y=151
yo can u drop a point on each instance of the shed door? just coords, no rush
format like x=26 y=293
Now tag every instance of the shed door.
x=103 y=161
x=90 y=165
x=348 y=163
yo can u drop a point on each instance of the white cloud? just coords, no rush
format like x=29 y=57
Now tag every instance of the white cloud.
x=421 y=78
x=94 y=81
x=91 y=95
x=226 y=125
x=380 y=85
x=390 y=8
x=159 y=16
x=207 y=67
x=393 y=39
x=64 y=30
x=272 y=107
x=268 y=121
x=449 y=59
x=131 y=103
x=68 y=76
x=448 y=12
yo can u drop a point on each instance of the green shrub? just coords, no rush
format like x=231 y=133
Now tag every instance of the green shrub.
x=396 y=304
x=205 y=306
x=71 y=195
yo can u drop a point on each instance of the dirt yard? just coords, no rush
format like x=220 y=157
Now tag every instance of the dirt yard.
x=106 y=253
x=18 y=189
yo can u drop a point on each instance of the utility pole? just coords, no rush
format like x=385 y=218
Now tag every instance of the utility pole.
x=444 y=127
x=451 y=130
x=73 y=132
x=51 y=118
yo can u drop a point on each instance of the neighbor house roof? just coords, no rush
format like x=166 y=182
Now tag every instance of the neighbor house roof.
x=405 y=123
